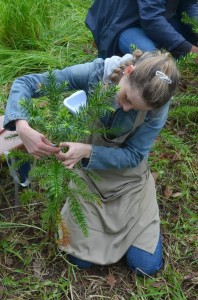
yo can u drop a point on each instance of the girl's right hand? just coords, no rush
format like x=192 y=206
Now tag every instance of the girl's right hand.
x=35 y=142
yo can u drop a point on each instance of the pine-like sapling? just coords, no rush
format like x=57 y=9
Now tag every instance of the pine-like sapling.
x=49 y=116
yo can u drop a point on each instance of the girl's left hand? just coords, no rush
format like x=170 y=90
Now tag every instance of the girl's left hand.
x=76 y=151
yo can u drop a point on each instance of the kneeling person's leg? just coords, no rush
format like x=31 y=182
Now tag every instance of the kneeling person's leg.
x=82 y=264
x=144 y=262
x=135 y=36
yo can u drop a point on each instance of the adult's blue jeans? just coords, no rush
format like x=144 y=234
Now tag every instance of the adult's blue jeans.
x=136 y=37
x=138 y=260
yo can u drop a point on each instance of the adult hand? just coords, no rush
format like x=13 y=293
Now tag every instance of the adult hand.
x=194 y=49
x=76 y=151
x=35 y=142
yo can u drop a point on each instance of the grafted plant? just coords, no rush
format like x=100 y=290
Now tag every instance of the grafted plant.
x=49 y=116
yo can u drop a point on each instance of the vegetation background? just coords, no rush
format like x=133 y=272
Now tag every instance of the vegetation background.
x=33 y=36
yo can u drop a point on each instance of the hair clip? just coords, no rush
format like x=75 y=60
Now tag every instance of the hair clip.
x=163 y=77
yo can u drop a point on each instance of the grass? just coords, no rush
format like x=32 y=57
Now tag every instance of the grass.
x=27 y=21
x=30 y=267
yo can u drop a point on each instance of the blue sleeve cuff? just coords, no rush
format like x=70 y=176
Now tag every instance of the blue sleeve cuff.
x=181 y=49
x=87 y=162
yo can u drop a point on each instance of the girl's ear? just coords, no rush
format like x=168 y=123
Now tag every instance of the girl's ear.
x=129 y=69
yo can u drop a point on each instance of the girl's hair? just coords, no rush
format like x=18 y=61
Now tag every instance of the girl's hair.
x=155 y=76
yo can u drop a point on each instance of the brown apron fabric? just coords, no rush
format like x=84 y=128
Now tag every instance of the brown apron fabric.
x=128 y=215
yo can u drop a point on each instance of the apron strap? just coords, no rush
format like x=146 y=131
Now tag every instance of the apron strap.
x=119 y=140
x=138 y=121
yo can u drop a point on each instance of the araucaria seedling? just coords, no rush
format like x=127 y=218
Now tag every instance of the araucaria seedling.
x=48 y=115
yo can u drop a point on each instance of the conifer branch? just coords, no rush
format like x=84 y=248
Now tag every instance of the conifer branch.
x=58 y=125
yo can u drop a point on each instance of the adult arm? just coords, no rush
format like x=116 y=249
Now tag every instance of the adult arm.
x=157 y=27
x=27 y=87
x=135 y=149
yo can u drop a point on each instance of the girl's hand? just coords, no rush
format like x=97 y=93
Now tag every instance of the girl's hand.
x=35 y=142
x=76 y=151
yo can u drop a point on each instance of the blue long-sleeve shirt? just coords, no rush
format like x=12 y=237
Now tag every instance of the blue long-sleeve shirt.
x=85 y=77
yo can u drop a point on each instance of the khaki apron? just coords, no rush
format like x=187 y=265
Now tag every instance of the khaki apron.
x=129 y=213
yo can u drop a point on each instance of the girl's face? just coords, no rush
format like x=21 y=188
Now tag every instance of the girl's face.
x=129 y=98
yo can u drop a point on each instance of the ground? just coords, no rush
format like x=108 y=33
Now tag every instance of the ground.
x=33 y=268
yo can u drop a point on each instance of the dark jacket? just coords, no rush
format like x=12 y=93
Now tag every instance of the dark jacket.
x=108 y=18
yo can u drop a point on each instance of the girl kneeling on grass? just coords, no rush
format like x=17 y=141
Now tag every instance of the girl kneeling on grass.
x=127 y=224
